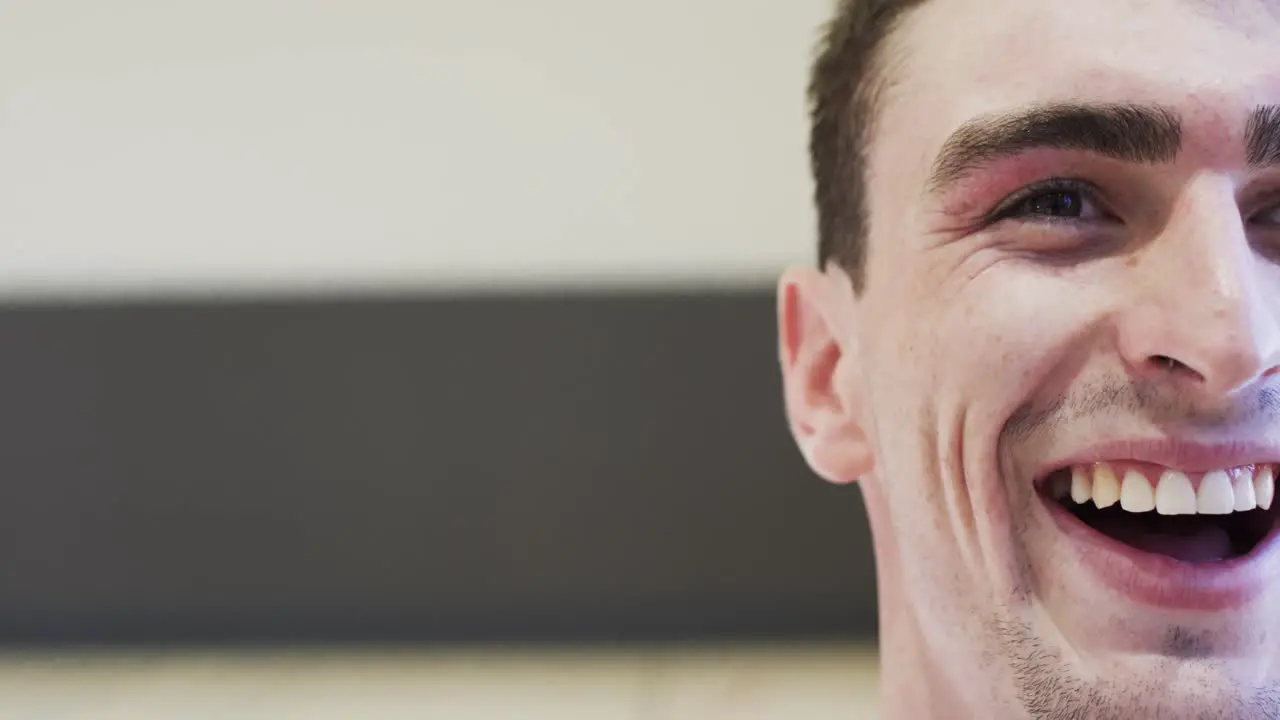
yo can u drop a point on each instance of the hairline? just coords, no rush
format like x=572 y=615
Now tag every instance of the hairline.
x=882 y=72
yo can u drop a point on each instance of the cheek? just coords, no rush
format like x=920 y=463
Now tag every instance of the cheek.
x=1013 y=323
x=978 y=339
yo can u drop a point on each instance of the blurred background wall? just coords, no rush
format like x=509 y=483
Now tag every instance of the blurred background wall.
x=402 y=320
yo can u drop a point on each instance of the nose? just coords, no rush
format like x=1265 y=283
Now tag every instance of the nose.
x=1202 y=314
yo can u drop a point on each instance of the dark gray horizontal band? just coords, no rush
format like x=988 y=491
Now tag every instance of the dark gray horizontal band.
x=588 y=467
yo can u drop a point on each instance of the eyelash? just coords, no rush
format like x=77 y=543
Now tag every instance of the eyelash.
x=1010 y=207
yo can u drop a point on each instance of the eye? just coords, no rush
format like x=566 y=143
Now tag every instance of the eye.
x=1052 y=202
x=1059 y=203
x=1060 y=220
x=1269 y=217
x=1056 y=204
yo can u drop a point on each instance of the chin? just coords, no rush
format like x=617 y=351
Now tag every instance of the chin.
x=1057 y=672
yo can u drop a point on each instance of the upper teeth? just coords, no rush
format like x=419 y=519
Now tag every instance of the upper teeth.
x=1219 y=492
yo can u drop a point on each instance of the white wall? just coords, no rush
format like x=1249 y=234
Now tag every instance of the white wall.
x=160 y=146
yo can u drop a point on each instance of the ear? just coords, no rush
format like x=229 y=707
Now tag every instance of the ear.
x=818 y=352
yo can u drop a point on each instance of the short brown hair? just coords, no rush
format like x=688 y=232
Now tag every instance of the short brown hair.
x=847 y=77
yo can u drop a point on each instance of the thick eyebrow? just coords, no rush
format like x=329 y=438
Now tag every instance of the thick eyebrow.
x=1132 y=133
x=1262 y=136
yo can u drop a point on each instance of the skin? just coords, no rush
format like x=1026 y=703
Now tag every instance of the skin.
x=920 y=388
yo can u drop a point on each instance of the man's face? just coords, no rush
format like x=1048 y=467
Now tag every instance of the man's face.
x=1074 y=267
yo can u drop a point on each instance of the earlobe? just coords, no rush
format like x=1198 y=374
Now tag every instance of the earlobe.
x=819 y=373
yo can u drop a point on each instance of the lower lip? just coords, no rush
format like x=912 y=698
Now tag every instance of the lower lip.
x=1164 y=582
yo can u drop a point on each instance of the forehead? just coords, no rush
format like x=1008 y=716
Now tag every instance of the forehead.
x=954 y=60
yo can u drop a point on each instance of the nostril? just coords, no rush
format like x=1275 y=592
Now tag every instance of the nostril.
x=1168 y=364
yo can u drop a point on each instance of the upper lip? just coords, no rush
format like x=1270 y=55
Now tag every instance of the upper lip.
x=1185 y=455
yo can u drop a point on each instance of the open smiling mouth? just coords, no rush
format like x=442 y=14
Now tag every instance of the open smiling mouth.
x=1190 y=517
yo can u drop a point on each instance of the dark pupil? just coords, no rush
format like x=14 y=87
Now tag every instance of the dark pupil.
x=1056 y=204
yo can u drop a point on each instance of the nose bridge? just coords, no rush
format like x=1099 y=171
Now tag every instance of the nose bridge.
x=1203 y=262
x=1202 y=302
